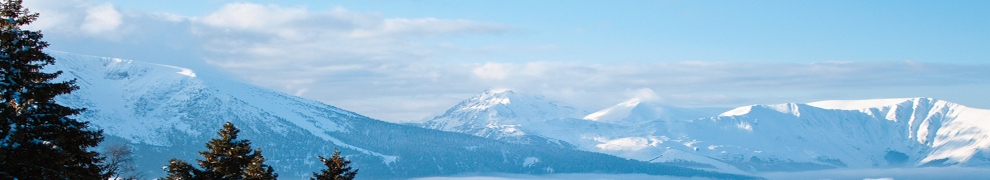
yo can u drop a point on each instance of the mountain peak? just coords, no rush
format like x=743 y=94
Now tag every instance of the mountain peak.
x=873 y=103
x=498 y=91
x=621 y=109
x=638 y=110
x=490 y=98
x=495 y=108
x=166 y=112
x=505 y=103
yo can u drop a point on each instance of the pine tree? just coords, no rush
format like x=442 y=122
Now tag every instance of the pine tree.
x=226 y=158
x=181 y=170
x=257 y=170
x=337 y=168
x=38 y=140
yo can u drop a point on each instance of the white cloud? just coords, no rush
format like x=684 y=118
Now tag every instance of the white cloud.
x=301 y=92
x=644 y=94
x=57 y=15
x=77 y=18
x=102 y=18
x=430 y=26
x=494 y=71
x=247 y=16
x=246 y=38
x=296 y=23
x=730 y=84
x=385 y=67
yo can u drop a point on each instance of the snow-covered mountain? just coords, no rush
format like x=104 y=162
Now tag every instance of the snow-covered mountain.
x=169 y=112
x=636 y=110
x=909 y=132
x=857 y=134
x=500 y=114
x=951 y=133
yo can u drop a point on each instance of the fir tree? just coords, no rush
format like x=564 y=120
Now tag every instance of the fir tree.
x=38 y=140
x=257 y=170
x=338 y=168
x=226 y=158
x=181 y=170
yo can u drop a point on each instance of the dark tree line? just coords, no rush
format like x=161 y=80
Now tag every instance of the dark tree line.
x=226 y=158
x=38 y=140
x=230 y=158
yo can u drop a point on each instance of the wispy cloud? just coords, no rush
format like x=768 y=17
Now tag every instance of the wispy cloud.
x=419 y=88
x=384 y=67
x=101 y=19
x=727 y=84
x=91 y=19
x=329 y=46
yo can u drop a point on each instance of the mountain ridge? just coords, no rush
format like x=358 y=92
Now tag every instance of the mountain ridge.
x=872 y=133
x=166 y=112
x=499 y=114
x=636 y=110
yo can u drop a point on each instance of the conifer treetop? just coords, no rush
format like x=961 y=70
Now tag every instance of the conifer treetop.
x=14 y=15
x=38 y=139
x=226 y=157
x=338 y=168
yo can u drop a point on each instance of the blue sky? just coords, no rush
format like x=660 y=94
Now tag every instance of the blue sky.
x=785 y=31
x=406 y=60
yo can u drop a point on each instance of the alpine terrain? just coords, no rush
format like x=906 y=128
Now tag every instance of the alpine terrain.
x=166 y=112
x=500 y=113
x=876 y=133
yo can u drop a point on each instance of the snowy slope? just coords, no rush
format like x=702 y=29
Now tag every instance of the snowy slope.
x=502 y=115
x=624 y=130
x=169 y=112
x=829 y=134
x=955 y=133
x=161 y=108
x=906 y=132
x=635 y=111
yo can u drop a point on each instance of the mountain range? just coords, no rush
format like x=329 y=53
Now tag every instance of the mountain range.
x=874 y=133
x=166 y=112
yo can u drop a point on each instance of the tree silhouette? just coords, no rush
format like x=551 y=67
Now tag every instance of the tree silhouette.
x=337 y=168
x=226 y=158
x=38 y=140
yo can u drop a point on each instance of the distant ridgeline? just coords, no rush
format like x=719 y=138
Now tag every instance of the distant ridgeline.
x=167 y=112
x=877 y=133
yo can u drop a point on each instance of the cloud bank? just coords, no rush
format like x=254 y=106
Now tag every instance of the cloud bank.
x=407 y=68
